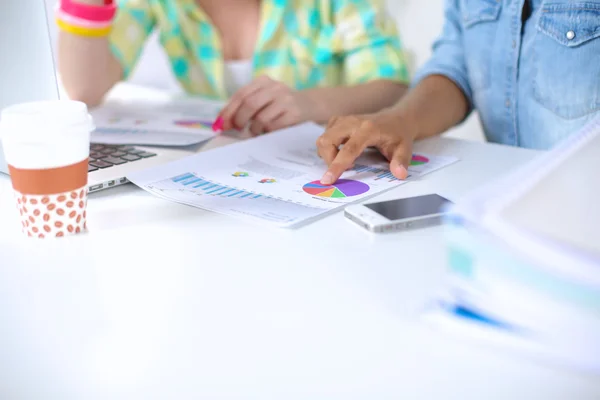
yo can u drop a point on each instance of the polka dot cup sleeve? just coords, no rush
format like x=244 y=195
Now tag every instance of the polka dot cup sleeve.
x=51 y=202
x=46 y=145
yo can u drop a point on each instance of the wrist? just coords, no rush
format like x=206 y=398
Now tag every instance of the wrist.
x=316 y=109
x=88 y=18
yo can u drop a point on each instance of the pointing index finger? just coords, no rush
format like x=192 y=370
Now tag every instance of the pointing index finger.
x=339 y=130
x=345 y=158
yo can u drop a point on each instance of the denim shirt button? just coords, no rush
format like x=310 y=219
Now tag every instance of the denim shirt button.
x=570 y=35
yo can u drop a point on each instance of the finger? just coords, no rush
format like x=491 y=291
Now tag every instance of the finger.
x=253 y=104
x=272 y=117
x=328 y=154
x=346 y=157
x=332 y=121
x=338 y=131
x=285 y=119
x=327 y=148
x=401 y=159
x=237 y=99
x=257 y=128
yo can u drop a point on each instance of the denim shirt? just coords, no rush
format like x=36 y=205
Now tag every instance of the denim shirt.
x=534 y=83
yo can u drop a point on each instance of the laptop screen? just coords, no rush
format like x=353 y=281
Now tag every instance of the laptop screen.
x=28 y=72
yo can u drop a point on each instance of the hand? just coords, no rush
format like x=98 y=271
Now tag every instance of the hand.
x=266 y=105
x=385 y=131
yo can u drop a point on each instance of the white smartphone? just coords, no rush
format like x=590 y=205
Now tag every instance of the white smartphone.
x=399 y=214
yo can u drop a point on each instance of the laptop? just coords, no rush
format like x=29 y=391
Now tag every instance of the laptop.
x=27 y=73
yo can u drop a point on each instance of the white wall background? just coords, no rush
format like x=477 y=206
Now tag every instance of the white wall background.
x=419 y=25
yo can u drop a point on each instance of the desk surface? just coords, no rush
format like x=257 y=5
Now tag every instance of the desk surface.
x=160 y=300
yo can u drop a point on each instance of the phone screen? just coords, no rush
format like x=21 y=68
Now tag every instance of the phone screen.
x=411 y=207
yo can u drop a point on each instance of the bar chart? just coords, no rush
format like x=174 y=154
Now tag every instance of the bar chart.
x=418 y=164
x=191 y=189
x=193 y=183
x=380 y=172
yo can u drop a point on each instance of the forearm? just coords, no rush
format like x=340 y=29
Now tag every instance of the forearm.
x=360 y=99
x=87 y=67
x=435 y=105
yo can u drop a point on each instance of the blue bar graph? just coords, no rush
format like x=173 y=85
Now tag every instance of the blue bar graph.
x=201 y=186
x=183 y=177
x=387 y=175
x=214 y=189
x=365 y=168
x=361 y=168
x=188 y=182
x=381 y=173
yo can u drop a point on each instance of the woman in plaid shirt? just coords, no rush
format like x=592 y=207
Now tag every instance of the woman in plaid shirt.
x=278 y=62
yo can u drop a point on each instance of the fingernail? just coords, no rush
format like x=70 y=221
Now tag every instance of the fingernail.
x=403 y=172
x=218 y=125
x=327 y=179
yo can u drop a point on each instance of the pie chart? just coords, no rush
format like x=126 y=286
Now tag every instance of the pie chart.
x=339 y=190
x=195 y=124
x=419 y=160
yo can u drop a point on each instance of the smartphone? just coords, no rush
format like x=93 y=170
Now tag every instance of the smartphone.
x=399 y=214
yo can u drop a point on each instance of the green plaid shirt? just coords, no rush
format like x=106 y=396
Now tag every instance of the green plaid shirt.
x=303 y=43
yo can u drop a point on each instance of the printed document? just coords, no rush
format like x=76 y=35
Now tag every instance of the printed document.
x=274 y=178
x=173 y=124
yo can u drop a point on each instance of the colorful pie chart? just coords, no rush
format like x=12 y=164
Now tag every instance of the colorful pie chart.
x=419 y=160
x=339 y=190
x=194 y=124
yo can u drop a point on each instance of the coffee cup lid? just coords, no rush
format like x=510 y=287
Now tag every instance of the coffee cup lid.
x=33 y=121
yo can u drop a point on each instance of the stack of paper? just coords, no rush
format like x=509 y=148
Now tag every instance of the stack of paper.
x=171 y=123
x=524 y=257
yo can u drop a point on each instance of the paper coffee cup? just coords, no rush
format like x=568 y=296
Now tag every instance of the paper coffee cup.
x=46 y=146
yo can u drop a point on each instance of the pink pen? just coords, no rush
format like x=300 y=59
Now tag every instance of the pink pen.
x=218 y=125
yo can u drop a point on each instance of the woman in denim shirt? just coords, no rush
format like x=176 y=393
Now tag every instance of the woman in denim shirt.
x=531 y=68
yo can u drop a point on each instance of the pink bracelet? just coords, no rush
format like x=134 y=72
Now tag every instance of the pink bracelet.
x=87 y=12
x=76 y=21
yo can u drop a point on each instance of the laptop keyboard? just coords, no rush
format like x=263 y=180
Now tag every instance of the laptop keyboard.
x=105 y=156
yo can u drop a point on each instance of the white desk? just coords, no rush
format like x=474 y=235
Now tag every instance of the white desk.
x=164 y=301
